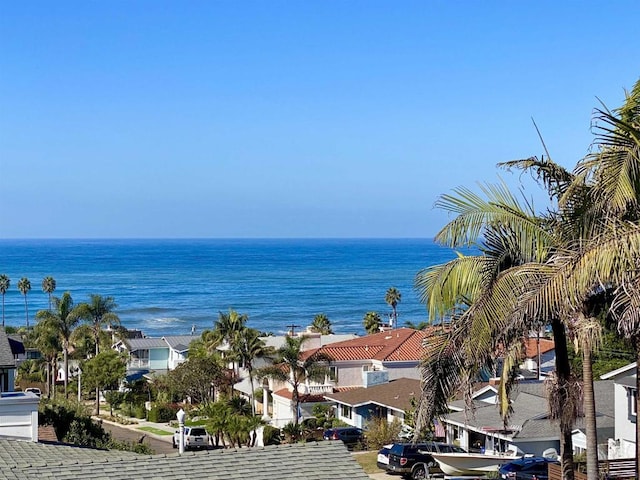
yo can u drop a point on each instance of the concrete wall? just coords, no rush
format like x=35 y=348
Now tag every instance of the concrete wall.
x=19 y=416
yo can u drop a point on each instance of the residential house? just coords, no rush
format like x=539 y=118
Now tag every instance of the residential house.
x=154 y=355
x=530 y=429
x=622 y=443
x=317 y=461
x=389 y=400
x=358 y=362
x=18 y=410
x=539 y=351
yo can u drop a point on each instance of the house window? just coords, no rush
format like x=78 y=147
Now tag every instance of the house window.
x=365 y=368
x=333 y=374
x=634 y=402
x=345 y=411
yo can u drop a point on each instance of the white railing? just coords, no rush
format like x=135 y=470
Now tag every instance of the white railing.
x=138 y=363
x=318 y=389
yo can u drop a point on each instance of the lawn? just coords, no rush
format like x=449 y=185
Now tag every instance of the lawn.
x=367 y=461
x=155 y=430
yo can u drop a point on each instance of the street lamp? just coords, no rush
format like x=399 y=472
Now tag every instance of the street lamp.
x=180 y=415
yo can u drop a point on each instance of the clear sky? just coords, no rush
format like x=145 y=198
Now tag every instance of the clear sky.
x=288 y=119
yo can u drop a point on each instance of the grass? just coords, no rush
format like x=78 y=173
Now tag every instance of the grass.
x=155 y=430
x=367 y=461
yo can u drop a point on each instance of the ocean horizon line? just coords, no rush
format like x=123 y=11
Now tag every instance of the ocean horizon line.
x=215 y=238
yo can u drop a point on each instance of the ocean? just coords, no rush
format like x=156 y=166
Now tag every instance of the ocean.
x=165 y=287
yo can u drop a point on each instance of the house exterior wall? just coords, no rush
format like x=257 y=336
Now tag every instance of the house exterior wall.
x=402 y=370
x=625 y=426
x=176 y=358
x=158 y=358
x=19 y=416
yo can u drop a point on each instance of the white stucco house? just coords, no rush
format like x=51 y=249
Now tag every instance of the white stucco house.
x=623 y=442
x=18 y=410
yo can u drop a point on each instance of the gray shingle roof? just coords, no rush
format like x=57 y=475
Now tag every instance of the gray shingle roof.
x=310 y=461
x=396 y=394
x=6 y=355
x=180 y=343
x=145 y=343
x=530 y=412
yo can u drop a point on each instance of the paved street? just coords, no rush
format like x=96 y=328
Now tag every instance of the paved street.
x=133 y=435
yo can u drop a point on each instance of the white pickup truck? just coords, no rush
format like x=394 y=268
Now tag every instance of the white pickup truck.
x=194 y=437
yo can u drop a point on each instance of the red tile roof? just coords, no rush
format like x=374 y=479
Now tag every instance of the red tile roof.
x=530 y=344
x=399 y=345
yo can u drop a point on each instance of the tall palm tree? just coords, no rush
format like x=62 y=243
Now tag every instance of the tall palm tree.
x=293 y=366
x=63 y=319
x=48 y=287
x=393 y=297
x=47 y=340
x=371 y=322
x=99 y=312
x=481 y=293
x=228 y=324
x=321 y=324
x=24 y=285
x=248 y=346
x=5 y=282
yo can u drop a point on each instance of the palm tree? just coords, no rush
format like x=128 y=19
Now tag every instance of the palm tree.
x=248 y=346
x=481 y=293
x=321 y=324
x=417 y=326
x=5 y=282
x=62 y=320
x=48 y=287
x=393 y=297
x=47 y=340
x=99 y=312
x=228 y=324
x=24 y=285
x=293 y=366
x=372 y=322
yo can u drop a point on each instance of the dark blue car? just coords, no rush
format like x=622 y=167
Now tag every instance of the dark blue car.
x=526 y=468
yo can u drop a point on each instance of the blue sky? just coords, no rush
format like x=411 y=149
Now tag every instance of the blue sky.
x=288 y=119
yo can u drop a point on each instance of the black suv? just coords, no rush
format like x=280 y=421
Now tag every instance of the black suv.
x=412 y=460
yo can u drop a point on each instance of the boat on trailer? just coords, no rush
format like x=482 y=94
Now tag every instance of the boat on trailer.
x=457 y=464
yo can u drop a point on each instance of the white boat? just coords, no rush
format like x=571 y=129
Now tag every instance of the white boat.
x=471 y=463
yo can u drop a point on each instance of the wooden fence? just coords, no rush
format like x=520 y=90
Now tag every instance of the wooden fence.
x=609 y=469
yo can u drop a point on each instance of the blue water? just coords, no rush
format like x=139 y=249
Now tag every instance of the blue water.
x=163 y=287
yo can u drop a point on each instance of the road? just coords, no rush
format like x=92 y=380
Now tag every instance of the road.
x=129 y=435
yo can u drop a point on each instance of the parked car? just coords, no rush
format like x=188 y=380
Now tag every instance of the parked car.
x=383 y=457
x=526 y=468
x=413 y=460
x=194 y=437
x=348 y=435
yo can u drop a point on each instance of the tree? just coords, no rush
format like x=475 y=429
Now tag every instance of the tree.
x=321 y=324
x=24 y=285
x=248 y=346
x=48 y=343
x=99 y=312
x=481 y=294
x=104 y=371
x=393 y=297
x=371 y=322
x=228 y=324
x=417 y=326
x=293 y=366
x=48 y=287
x=63 y=319
x=5 y=282
x=196 y=378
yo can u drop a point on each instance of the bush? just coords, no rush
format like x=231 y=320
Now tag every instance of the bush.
x=380 y=432
x=271 y=435
x=163 y=413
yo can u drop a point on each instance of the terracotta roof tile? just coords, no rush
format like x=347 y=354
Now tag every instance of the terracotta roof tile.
x=546 y=345
x=402 y=344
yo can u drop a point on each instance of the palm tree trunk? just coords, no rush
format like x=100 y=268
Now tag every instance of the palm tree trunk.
x=65 y=353
x=97 y=401
x=563 y=370
x=26 y=310
x=589 y=413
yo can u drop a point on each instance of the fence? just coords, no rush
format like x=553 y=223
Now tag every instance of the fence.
x=609 y=469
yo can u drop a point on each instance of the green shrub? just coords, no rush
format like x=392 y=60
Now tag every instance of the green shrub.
x=271 y=435
x=380 y=432
x=163 y=413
